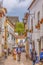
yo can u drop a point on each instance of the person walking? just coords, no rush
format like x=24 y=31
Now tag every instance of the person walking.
x=33 y=56
x=8 y=51
x=41 y=56
x=19 y=53
x=5 y=52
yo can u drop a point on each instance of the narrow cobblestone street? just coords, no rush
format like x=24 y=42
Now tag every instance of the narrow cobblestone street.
x=11 y=61
x=21 y=32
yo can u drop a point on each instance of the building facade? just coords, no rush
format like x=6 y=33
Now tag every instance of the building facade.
x=35 y=23
x=25 y=21
x=11 y=21
x=2 y=19
x=9 y=34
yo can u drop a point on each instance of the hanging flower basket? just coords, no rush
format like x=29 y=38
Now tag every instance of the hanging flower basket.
x=38 y=26
x=41 y=21
x=31 y=30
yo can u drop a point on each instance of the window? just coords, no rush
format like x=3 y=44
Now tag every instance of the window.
x=8 y=34
x=38 y=16
x=12 y=37
x=32 y=23
x=0 y=30
x=42 y=42
x=33 y=44
x=42 y=10
x=34 y=15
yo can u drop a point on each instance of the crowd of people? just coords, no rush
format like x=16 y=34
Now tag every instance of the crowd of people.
x=33 y=55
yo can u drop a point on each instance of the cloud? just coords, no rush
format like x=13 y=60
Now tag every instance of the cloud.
x=16 y=7
x=11 y=4
x=18 y=12
x=25 y=3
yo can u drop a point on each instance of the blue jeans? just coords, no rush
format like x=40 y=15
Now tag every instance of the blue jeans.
x=33 y=63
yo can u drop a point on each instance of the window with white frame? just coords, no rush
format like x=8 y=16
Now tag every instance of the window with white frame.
x=42 y=10
x=42 y=42
x=32 y=23
x=38 y=16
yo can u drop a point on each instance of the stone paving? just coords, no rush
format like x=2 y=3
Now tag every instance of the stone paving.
x=11 y=61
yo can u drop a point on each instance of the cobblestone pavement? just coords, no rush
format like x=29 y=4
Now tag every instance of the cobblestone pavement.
x=11 y=61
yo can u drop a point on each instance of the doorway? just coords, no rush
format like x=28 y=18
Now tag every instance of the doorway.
x=33 y=44
x=39 y=46
x=42 y=42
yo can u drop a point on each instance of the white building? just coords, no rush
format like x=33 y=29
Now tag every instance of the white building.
x=35 y=25
x=3 y=30
x=10 y=36
x=2 y=19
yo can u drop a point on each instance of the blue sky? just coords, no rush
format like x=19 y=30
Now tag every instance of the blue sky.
x=16 y=7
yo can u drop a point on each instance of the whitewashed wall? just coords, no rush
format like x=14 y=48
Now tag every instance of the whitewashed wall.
x=10 y=40
x=1 y=22
x=36 y=7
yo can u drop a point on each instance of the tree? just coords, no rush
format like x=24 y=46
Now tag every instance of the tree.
x=19 y=28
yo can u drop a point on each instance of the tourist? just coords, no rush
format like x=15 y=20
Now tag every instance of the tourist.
x=33 y=56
